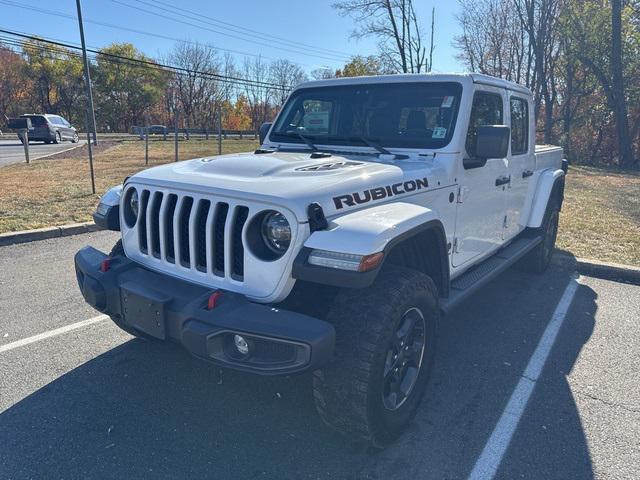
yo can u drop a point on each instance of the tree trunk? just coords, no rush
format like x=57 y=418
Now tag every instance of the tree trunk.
x=617 y=86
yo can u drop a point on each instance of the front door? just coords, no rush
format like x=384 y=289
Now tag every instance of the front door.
x=480 y=214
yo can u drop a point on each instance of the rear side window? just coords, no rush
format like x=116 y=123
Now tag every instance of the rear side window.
x=487 y=109
x=38 y=121
x=519 y=126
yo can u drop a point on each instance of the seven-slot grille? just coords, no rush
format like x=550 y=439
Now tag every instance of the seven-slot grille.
x=196 y=233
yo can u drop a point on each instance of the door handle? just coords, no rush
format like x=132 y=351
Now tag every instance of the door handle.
x=527 y=173
x=503 y=180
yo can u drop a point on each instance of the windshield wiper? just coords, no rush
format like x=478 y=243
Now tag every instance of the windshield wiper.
x=373 y=144
x=302 y=137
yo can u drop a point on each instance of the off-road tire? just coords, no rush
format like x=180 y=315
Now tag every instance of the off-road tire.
x=116 y=251
x=349 y=392
x=538 y=259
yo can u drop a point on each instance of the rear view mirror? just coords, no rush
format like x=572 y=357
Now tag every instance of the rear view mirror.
x=264 y=129
x=492 y=141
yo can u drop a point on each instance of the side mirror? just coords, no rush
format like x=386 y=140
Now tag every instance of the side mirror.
x=264 y=129
x=492 y=141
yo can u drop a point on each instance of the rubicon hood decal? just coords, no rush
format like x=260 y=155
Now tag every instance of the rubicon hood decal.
x=378 y=193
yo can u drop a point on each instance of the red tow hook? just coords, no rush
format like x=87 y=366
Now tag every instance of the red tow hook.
x=105 y=265
x=213 y=299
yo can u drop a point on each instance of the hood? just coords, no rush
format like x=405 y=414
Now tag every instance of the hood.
x=295 y=179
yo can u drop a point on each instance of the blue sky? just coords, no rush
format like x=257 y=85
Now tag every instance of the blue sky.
x=300 y=27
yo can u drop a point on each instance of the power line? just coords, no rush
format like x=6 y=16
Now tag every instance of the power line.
x=127 y=29
x=150 y=64
x=173 y=19
x=242 y=29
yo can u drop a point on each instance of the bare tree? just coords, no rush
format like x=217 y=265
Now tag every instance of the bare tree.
x=322 y=73
x=517 y=40
x=395 y=24
x=258 y=95
x=286 y=75
x=539 y=20
x=493 y=40
x=196 y=93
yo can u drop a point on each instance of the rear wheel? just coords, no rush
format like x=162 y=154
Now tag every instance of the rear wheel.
x=538 y=259
x=385 y=345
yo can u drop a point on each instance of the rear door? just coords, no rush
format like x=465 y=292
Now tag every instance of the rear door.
x=481 y=200
x=521 y=164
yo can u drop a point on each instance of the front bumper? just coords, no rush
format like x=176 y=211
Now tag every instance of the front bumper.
x=160 y=306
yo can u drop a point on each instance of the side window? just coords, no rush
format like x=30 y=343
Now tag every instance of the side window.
x=519 y=126
x=486 y=110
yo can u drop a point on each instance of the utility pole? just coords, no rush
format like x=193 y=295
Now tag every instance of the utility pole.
x=175 y=130
x=219 y=131
x=87 y=82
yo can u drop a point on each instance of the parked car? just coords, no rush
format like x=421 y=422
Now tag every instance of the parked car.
x=157 y=129
x=49 y=128
x=373 y=206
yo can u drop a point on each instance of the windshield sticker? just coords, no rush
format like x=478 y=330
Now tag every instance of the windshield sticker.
x=439 y=132
x=447 y=102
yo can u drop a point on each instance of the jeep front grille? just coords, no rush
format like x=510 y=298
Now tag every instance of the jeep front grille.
x=196 y=233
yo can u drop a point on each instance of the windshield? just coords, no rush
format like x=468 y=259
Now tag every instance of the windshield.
x=403 y=115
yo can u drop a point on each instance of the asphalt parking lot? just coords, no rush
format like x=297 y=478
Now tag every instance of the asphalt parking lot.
x=92 y=402
x=12 y=151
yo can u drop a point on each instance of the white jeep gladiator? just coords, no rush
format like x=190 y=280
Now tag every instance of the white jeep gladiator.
x=373 y=206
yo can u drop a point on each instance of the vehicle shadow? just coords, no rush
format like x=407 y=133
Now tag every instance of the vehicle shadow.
x=144 y=410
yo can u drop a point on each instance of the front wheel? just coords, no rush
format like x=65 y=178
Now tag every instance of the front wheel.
x=75 y=138
x=385 y=346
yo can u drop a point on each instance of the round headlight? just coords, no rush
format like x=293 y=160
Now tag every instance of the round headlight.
x=276 y=232
x=133 y=203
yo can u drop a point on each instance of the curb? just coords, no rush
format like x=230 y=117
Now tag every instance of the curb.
x=61 y=151
x=12 y=238
x=604 y=270
x=608 y=271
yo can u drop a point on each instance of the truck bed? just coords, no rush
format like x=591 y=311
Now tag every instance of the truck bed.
x=548 y=156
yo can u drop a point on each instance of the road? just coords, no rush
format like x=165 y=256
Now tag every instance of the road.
x=12 y=151
x=93 y=402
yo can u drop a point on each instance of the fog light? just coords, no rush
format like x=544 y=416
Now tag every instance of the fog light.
x=241 y=344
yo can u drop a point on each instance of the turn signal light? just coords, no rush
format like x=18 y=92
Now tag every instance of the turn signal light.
x=345 y=261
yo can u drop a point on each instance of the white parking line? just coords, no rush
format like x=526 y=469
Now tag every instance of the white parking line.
x=493 y=452
x=51 y=333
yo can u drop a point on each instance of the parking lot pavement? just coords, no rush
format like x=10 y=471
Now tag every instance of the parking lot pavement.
x=12 y=151
x=95 y=403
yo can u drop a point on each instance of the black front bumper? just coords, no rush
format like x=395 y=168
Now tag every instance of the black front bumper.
x=160 y=306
